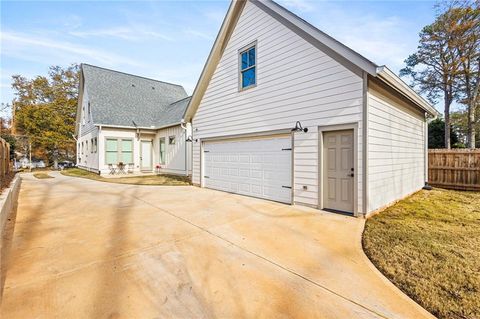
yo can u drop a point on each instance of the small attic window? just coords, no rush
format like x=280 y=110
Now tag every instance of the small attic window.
x=248 y=67
x=153 y=88
x=133 y=85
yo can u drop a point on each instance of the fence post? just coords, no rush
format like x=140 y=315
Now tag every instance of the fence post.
x=2 y=161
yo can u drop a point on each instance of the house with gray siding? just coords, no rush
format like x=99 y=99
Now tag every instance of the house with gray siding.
x=284 y=112
x=130 y=124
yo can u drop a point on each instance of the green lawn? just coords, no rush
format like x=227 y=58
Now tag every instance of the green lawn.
x=167 y=180
x=429 y=246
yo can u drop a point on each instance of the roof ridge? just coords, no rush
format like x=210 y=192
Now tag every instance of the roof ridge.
x=130 y=74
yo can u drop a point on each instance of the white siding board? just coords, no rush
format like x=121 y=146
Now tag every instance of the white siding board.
x=299 y=77
x=295 y=82
x=396 y=148
x=175 y=157
x=304 y=102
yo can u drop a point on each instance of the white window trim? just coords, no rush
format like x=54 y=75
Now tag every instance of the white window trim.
x=242 y=50
x=160 y=150
x=119 y=148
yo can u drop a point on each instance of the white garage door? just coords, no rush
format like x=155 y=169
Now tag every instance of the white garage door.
x=254 y=167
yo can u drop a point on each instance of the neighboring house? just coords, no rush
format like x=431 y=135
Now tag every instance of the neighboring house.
x=123 y=118
x=359 y=132
x=22 y=163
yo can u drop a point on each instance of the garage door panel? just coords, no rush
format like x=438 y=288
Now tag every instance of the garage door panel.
x=259 y=167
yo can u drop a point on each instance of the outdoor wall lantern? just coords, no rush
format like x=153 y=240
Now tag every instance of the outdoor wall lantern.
x=298 y=128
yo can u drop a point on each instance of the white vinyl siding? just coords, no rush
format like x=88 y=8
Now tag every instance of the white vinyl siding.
x=86 y=125
x=295 y=81
x=175 y=156
x=396 y=153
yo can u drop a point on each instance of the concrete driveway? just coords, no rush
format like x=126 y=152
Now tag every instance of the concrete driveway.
x=87 y=249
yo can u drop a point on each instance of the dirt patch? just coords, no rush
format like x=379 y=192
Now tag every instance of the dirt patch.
x=167 y=180
x=42 y=175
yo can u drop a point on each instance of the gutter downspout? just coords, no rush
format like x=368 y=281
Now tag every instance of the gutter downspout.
x=425 y=171
x=185 y=129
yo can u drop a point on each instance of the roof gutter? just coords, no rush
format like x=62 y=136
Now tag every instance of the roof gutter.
x=392 y=80
x=137 y=127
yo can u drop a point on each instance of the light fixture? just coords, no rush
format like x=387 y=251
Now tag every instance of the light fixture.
x=298 y=128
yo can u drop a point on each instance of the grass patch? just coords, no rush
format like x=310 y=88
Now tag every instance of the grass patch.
x=42 y=175
x=166 y=180
x=428 y=245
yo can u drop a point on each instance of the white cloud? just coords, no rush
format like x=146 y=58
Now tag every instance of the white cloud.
x=125 y=33
x=382 y=39
x=198 y=34
x=50 y=51
x=72 y=21
x=216 y=16
x=300 y=5
x=179 y=74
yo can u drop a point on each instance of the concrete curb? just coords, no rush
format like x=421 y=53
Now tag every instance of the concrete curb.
x=8 y=201
x=379 y=274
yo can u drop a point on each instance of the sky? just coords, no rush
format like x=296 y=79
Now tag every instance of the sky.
x=171 y=40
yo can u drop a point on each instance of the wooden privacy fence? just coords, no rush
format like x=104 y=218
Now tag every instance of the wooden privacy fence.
x=4 y=160
x=454 y=169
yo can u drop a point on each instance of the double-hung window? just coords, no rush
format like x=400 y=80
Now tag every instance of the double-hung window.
x=111 y=151
x=248 y=67
x=162 y=150
x=118 y=150
x=127 y=151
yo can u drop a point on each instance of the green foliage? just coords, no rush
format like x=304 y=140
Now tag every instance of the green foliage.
x=45 y=108
x=12 y=141
x=446 y=63
x=460 y=121
x=436 y=134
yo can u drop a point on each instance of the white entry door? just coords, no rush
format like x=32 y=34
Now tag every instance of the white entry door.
x=255 y=167
x=146 y=155
x=338 y=170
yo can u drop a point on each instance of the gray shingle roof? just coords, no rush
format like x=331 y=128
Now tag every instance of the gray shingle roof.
x=118 y=98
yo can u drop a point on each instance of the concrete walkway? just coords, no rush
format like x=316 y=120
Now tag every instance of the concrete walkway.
x=87 y=249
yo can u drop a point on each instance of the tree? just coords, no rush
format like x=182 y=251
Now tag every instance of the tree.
x=44 y=110
x=467 y=42
x=5 y=121
x=460 y=121
x=10 y=139
x=434 y=67
x=436 y=135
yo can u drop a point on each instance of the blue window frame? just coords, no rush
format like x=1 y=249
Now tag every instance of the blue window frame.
x=248 y=67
